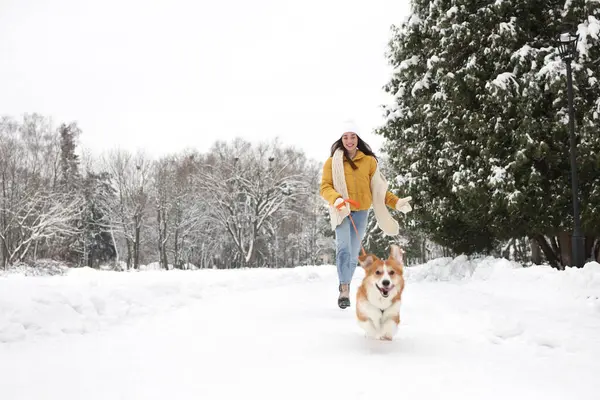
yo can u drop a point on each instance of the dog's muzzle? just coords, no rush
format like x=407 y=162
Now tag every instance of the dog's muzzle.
x=385 y=288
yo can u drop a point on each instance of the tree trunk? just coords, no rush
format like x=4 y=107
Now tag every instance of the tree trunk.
x=4 y=253
x=85 y=257
x=555 y=246
x=505 y=252
x=90 y=259
x=522 y=249
x=136 y=248
x=176 y=250
x=129 y=253
x=112 y=236
x=551 y=256
x=162 y=240
x=4 y=247
x=536 y=252
x=589 y=245
x=564 y=242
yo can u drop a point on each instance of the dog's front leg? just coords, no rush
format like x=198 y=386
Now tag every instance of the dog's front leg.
x=389 y=328
x=370 y=330
x=369 y=319
x=390 y=320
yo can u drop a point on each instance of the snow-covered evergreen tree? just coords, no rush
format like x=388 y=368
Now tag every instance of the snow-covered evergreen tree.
x=98 y=244
x=477 y=128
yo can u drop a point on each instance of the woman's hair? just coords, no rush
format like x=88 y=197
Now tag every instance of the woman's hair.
x=362 y=146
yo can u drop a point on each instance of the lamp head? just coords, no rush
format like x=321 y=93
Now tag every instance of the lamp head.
x=567 y=45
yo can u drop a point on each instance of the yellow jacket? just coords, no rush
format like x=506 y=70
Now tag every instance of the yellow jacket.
x=358 y=182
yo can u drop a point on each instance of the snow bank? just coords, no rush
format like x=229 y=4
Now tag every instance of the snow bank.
x=39 y=268
x=524 y=282
x=155 y=266
x=86 y=300
x=500 y=301
x=451 y=269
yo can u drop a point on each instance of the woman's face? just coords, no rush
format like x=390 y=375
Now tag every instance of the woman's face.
x=350 y=141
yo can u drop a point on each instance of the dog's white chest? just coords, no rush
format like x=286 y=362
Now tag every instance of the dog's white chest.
x=378 y=308
x=380 y=302
x=377 y=300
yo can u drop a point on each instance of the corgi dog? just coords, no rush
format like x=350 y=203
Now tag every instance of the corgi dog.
x=378 y=297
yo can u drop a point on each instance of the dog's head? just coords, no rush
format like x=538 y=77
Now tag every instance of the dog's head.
x=387 y=276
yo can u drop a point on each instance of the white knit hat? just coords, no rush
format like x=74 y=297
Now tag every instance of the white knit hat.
x=350 y=126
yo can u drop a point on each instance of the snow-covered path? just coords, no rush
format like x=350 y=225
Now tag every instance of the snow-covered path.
x=477 y=339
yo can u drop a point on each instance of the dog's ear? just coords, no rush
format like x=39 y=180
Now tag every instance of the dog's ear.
x=396 y=253
x=366 y=260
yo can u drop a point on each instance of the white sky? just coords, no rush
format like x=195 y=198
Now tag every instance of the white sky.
x=166 y=75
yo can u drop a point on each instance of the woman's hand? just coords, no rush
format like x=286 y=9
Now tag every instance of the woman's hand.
x=403 y=204
x=343 y=209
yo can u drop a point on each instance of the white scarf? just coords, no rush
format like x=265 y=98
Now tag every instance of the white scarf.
x=379 y=186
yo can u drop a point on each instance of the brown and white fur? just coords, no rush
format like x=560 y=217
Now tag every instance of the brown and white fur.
x=378 y=297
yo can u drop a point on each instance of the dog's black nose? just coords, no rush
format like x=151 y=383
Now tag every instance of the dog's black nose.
x=385 y=283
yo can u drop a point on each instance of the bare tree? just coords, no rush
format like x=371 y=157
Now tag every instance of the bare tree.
x=10 y=150
x=162 y=178
x=237 y=205
x=28 y=169
x=247 y=186
x=181 y=213
x=42 y=217
x=130 y=176
x=189 y=213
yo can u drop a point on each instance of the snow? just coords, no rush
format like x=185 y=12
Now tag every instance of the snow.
x=514 y=197
x=472 y=61
x=504 y=79
x=471 y=329
x=399 y=92
x=590 y=29
x=432 y=61
x=552 y=68
x=452 y=11
x=86 y=300
x=593 y=27
x=423 y=83
x=566 y=7
x=413 y=20
x=592 y=80
x=155 y=266
x=406 y=64
x=498 y=176
x=508 y=27
x=524 y=52
x=437 y=96
x=529 y=138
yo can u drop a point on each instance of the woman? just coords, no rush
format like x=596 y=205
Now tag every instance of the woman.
x=351 y=183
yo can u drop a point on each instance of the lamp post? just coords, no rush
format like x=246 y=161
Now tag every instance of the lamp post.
x=568 y=49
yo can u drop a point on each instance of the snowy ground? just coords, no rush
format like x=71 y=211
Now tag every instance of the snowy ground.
x=470 y=330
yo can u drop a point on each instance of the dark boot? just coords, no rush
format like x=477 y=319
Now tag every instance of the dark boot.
x=344 y=297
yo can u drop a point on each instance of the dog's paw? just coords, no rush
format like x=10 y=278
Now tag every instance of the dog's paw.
x=386 y=337
x=372 y=336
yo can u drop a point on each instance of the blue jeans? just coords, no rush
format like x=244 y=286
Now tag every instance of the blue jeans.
x=348 y=244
